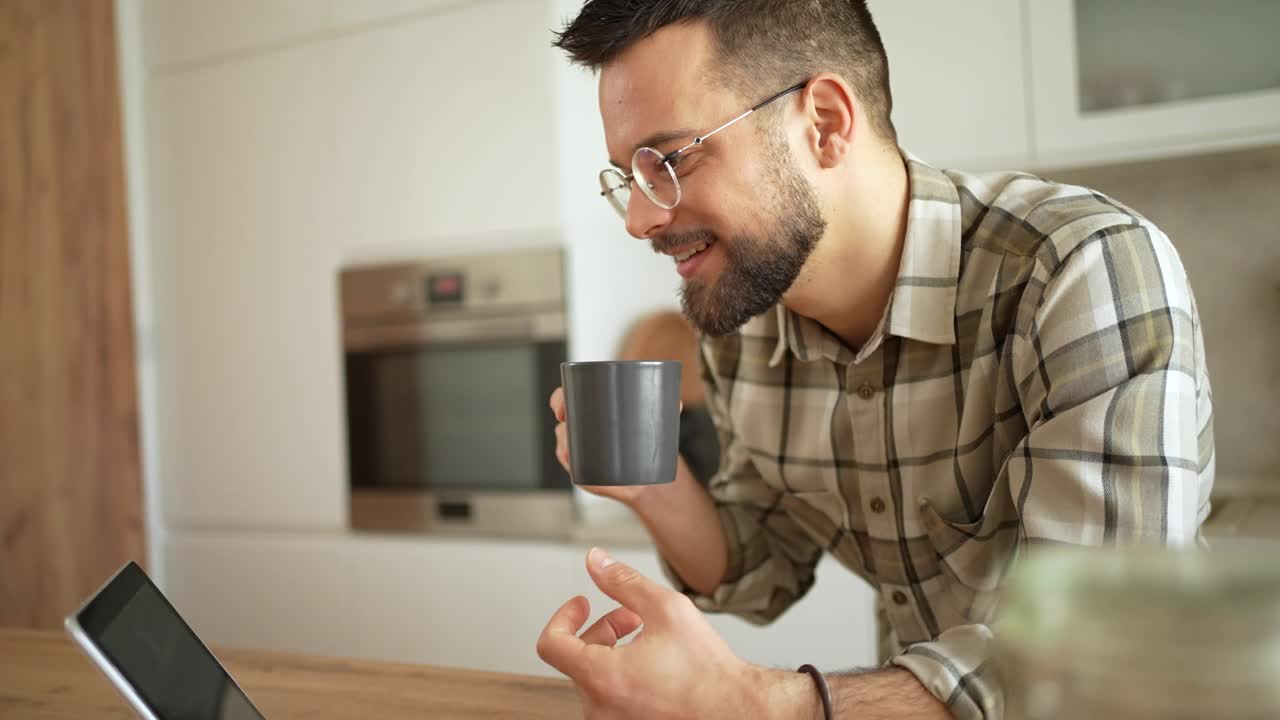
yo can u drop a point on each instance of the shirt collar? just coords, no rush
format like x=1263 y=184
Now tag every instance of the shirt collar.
x=923 y=304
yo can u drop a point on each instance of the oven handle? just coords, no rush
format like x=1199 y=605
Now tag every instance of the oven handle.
x=534 y=327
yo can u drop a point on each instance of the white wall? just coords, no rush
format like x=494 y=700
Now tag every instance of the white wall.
x=270 y=144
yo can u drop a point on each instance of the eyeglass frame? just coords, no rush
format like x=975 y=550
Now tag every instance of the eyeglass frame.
x=665 y=160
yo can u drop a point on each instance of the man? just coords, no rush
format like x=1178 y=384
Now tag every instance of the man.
x=921 y=372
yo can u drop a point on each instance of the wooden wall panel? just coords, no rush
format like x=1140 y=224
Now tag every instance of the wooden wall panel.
x=70 y=473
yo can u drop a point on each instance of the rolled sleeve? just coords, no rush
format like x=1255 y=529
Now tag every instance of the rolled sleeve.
x=770 y=565
x=956 y=669
x=771 y=560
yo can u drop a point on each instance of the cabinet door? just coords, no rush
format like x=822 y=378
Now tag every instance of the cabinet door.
x=444 y=127
x=1147 y=78
x=272 y=591
x=957 y=75
x=456 y=602
x=180 y=32
x=248 y=367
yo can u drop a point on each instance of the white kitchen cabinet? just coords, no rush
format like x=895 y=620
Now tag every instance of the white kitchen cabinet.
x=347 y=13
x=444 y=130
x=183 y=31
x=1138 y=79
x=457 y=603
x=247 y=338
x=264 y=591
x=957 y=75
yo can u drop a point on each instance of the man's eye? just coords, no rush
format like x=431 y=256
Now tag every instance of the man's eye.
x=684 y=162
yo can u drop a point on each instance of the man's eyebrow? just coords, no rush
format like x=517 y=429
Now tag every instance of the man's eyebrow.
x=654 y=140
x=665 y=136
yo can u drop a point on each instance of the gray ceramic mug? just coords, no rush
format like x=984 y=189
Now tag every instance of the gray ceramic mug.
x=624 y=421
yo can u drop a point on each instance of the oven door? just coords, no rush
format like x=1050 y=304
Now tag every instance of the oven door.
x=450 y=429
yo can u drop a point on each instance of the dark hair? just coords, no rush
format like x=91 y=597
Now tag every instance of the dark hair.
x=764 y=45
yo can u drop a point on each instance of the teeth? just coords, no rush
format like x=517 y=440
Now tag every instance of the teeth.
x=691 y=252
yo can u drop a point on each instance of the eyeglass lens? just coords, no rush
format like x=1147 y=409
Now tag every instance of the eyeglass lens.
x=656 y=178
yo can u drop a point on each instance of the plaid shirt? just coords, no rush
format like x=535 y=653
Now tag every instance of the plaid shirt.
x=1038 y=377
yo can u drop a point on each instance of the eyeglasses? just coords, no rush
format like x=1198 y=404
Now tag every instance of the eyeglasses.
x=656 y=173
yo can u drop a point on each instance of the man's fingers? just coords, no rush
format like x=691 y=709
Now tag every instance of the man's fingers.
x=559 y=645
x=557 y=403
x=611 y=628
x=562 y=445
x=632 y=590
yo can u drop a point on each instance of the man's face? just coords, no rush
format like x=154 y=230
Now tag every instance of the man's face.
x=747 y=211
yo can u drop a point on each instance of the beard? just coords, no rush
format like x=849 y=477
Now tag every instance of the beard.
x=759 y=268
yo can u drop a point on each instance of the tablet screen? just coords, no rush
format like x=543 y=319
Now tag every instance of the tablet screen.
x=149 y=643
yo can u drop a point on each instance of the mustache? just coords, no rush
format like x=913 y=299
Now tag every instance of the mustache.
x=666 y=243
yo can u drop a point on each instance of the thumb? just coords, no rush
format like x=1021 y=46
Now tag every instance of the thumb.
x=629 y=587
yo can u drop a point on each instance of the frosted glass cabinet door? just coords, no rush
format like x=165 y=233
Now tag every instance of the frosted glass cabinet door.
x=1125 y=79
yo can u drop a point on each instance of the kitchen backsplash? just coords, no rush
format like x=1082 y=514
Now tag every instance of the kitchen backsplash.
x=1223 y=214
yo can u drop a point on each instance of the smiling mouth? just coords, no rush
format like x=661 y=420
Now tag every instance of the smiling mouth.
x=691 y=251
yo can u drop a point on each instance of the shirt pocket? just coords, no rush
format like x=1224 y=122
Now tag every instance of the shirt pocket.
x=974 y=554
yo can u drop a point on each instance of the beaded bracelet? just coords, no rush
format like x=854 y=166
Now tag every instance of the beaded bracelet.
x=824 y=692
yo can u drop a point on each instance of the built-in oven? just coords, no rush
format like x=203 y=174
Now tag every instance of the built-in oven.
x=449 y=364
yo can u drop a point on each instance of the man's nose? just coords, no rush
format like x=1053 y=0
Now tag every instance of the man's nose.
x=644 y=218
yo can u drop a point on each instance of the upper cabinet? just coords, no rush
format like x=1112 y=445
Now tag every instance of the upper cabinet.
x=444 y=127
x=1127 y=79
x=958 y=80
x=183 y=32
x=180 y=32
x=991 y=84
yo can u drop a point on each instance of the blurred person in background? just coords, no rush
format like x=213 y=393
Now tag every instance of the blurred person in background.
x=920 y=372
x=666 y=335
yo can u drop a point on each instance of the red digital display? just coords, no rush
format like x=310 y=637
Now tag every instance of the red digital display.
x=445 y=287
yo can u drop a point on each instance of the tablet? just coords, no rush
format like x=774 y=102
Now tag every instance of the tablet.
x=152 y=656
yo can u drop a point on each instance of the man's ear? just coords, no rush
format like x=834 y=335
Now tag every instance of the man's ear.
x=833 y=114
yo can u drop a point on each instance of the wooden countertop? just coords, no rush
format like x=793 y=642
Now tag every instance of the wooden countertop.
x=44 y=675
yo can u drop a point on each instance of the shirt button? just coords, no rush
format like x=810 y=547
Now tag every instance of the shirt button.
x=866 y=392
x=899 y=597
x=877 y=505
